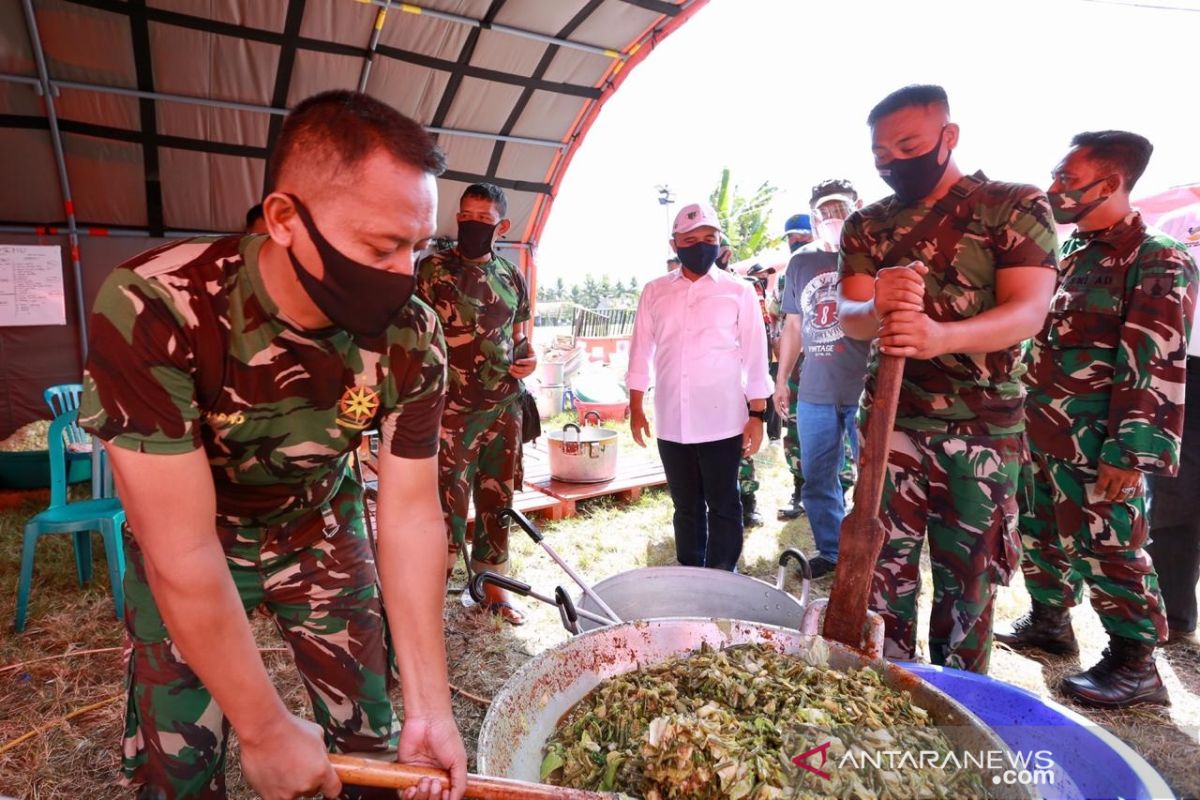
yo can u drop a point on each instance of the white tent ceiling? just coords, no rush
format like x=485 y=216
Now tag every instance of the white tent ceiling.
x=122 y=121
x=168 y=108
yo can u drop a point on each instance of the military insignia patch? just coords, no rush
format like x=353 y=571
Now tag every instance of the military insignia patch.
x=356 y=409
x=1158 y=285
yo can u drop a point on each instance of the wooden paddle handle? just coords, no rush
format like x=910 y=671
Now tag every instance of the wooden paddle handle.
x=862 y=532
x=358 y=771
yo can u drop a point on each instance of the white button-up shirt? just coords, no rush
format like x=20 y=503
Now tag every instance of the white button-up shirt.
x=707 y=346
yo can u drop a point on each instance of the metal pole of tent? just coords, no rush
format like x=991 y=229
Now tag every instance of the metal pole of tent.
x=50 y=230
x=257 y=109
x=459 y=19
x=376 y=32
x=35 y=40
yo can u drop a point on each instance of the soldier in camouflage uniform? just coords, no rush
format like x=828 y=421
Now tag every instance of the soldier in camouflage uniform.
x=482 y=302
x=747 y=481
x=974 y=281
x=231 y=379
x=797 y=232
x=1105 y=407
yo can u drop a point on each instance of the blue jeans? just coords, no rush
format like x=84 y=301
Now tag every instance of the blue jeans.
x=703 y=481
x=823 y=431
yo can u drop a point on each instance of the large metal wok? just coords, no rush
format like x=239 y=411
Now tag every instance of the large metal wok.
x=660 y=592
x=524 y=714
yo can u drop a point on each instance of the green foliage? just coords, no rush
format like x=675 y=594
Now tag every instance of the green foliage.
x=745 y=218
x=593 y=293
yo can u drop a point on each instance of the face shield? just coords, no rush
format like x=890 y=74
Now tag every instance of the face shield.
x=829 y=215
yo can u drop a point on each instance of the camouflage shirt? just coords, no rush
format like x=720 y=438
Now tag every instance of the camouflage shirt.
x=479 y=306
x=1009 y=225
x=1107 y=373
x=188 y=351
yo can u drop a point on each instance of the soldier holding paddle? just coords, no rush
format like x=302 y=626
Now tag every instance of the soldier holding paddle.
x=951 y=272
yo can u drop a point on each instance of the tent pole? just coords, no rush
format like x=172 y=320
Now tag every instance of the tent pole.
x=369 y=59
x=256 y=109
x=35 y=40
x=459 y=19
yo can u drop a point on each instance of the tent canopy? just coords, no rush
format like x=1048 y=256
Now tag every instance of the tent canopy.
x=167 y=109
x=124 y=121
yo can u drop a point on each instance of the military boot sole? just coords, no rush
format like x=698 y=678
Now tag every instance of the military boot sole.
x=1151 y=697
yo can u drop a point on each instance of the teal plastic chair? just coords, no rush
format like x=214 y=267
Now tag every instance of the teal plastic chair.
x=79 y=519
x=63 y=398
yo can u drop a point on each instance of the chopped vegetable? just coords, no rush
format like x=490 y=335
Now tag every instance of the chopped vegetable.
x=720 y=724
x=28 y=438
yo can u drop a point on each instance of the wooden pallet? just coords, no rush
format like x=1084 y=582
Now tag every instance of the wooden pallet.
x=627 y=486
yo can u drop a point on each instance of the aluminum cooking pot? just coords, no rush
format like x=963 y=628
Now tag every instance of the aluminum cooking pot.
x=525 y=712
x=657 y=592
x=582 y=455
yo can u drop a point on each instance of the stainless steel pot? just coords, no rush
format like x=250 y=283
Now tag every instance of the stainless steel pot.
x=582 y=455
x=657 y=592
x=524 y=714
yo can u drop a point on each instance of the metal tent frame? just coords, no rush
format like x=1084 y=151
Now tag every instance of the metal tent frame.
x=510 y=88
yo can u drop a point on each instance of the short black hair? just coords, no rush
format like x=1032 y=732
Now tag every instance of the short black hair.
x=346 y=127
x=674 y=260
x=253 y=215
x=832 y=186
x=913 y=95
x=490 y=192
x=1121 y=151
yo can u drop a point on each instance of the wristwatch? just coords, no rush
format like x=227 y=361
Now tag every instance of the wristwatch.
x=760 y=414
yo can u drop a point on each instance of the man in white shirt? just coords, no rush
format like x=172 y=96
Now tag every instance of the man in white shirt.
x=702 y=331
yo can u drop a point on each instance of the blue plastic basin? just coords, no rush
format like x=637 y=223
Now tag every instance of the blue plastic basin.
x=1088 y=760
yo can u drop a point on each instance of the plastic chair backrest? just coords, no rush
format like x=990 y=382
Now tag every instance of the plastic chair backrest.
x=63 y=398
x=59 y=433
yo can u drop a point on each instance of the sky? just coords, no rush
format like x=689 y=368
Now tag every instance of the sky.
x=779 y=90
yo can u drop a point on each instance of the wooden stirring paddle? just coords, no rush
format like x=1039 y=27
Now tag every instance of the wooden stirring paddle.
x=862 y=531
x=359 y=771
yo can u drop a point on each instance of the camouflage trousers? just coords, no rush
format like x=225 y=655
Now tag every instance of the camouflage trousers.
x=747 y=483
x=1070 y=539
x=480 y=458
x=960 y=493
x=322 y=593
x=791 y=433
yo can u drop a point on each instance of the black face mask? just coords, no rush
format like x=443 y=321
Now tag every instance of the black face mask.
x=699 y=257
x=914 y=178
x=723 y=262
x=355 y=297
x=475 y=238
x=794 y=246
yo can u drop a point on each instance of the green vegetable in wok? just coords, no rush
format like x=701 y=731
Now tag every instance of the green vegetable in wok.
x=725 y=724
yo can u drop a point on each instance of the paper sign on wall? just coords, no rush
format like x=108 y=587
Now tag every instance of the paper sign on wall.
x=31 y=285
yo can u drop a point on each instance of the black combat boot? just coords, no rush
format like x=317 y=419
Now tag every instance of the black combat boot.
x=1043 y=627
x=1125 y=675
x=795 y=506
x=750 y=517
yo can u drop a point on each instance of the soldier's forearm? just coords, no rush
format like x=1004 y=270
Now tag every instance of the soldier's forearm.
x=412 y=576
x=857 y=318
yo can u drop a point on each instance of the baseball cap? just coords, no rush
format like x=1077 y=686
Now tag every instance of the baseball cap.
x=798 y=223
x=695 y=215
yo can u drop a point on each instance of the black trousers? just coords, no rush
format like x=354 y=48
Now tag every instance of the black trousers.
x=703 y=481
x=1175 y=518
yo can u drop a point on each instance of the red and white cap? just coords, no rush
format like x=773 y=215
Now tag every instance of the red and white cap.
x=696 y=215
